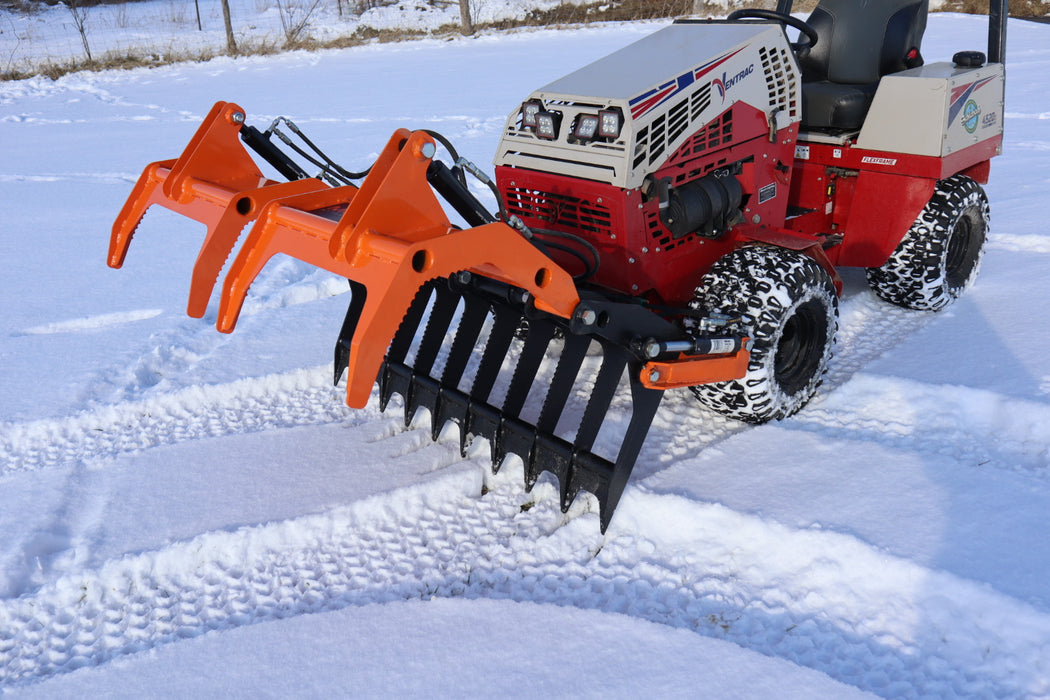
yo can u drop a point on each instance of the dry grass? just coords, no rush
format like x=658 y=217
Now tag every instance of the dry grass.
x=565 y=14
x=1025 y=9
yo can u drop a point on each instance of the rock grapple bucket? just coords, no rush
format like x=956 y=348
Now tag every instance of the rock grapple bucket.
x=461 y=321
x=508 y=375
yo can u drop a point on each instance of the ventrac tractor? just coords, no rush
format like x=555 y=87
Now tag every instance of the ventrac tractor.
x=670 y=216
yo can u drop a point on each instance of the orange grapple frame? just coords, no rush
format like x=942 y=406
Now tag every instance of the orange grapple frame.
x=390 y=235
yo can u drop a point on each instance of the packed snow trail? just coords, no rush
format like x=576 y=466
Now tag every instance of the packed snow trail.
x=805 y=596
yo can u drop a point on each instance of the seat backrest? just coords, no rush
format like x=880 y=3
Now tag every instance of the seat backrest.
x=862 y=40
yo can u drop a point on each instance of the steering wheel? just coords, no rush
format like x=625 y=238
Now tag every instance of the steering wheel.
x=804 y=29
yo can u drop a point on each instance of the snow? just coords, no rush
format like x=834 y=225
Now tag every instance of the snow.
x=186 y=512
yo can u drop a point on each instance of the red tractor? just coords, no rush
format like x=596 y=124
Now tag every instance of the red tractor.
x=677 y=209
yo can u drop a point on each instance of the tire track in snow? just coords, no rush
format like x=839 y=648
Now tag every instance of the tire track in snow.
x=974 y=426
x=301 y=397
x=803 y=596
x=305 y=397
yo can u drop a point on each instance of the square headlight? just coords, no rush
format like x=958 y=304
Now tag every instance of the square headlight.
x=610 y=122
x=586 y=127
x=529 y=110
x=547 y=124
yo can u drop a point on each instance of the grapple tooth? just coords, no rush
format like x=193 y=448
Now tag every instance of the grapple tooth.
x=482 y=419
x=533 y=351
x=608 y=379
x=547 y=451
x=644 y=403
x=452 y=405
x=422 y=388
x=353 y=315
x=475 y=311
x=391 y=381
x=569 y=362
x=445 y=302
x=589 y=472
x=505 y=322
x=552 y=454
x=516 y=437
x=406 y=332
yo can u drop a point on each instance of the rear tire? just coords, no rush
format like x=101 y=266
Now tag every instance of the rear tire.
x=940 y=255
x=793 y=310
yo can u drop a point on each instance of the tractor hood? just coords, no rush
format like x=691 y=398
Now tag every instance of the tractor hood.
x=705 y=67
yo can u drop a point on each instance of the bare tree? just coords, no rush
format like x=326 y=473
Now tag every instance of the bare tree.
x=466 y=22
x=80 y=15
x=295 y=17
x=231 y=45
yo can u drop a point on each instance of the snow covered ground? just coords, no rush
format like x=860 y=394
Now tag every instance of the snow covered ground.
x=184 y=511
x=147 y=27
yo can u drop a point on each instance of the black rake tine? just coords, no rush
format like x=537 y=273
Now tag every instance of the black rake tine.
x=505 y=322
x=644 y=404
x=399 y=347
x=472 y=321
x=438 y=324
x=449 y=403
x=358 y=292
x=480 y=414
x=441 y=313
x=601 y=399
x=537 y=339
x=402 y=341
x=569 y=363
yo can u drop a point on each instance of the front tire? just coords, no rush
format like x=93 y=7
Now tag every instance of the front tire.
x=792 y=307
x=940 y=255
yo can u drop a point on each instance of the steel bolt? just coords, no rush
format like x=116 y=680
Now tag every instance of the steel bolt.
x=756 y=219
x=428 y=150
x=588 y=317
x=654 y=376
x=237 y=117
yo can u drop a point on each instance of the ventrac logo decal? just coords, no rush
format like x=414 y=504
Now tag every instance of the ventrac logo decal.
x=647 y=101
x=961 y=103
x=724 y=84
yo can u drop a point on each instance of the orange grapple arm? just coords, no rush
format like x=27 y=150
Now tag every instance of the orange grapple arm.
x=391 y=235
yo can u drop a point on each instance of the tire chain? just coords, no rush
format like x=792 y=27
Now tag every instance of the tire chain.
x=915 y=277
x=764 y=283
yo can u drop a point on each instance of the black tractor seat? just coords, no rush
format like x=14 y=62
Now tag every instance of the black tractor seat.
x=859 y=42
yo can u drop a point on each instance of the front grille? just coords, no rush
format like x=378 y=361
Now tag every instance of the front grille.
x=559 y=210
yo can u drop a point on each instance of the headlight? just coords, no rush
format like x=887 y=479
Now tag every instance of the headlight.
x=529 y=110
x=610 y=121
x=586 y=127
x=547 y=124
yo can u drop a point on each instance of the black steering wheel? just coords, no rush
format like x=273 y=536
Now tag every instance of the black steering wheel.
x=804 y=29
